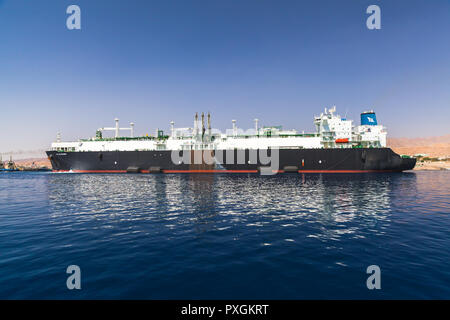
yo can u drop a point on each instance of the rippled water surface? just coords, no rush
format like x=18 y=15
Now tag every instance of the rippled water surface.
x=225 y=236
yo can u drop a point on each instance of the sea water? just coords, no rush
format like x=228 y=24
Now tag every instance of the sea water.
x=225 y=236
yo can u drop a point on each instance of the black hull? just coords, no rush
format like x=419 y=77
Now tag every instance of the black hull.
x=290 y=160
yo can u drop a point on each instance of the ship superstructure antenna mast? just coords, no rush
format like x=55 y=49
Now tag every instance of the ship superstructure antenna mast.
x=333 y=110
x=256 y=126
x=209 y=126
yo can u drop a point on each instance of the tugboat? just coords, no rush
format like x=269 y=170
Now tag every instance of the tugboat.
x=10 y=165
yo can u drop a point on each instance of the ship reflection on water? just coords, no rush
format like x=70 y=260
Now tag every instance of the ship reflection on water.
x=202 y=203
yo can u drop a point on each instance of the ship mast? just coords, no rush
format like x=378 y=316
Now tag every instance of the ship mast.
x=196 y=126
x=203 y=126
x=209 y=126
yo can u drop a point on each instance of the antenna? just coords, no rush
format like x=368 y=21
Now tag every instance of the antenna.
x=333 y=109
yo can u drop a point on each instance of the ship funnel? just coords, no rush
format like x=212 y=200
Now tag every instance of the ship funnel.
x=256 y=125
x=368 y=118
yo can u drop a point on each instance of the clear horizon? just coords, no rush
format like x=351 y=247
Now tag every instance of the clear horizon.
x=281 y=62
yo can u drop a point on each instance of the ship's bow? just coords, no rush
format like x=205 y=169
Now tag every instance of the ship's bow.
x=51 y=157
x=408 y=163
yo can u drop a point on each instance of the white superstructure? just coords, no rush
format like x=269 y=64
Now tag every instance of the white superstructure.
x=332 y=131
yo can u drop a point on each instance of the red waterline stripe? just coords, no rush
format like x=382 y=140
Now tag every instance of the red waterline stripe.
x=223 y=171
x=164 y=171
x=342 y=171
x=210 y=171
x=92 y=171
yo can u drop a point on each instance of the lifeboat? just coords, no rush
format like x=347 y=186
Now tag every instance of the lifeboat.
x=343 y=140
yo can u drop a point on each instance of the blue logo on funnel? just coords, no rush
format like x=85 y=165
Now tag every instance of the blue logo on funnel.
x=369 y=119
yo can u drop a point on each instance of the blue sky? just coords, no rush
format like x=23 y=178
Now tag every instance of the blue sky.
x=280 y=61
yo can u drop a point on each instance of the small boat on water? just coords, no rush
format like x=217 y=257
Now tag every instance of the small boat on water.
x=10 y=166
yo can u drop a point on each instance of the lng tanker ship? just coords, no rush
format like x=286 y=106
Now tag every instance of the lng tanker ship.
x=336 y=146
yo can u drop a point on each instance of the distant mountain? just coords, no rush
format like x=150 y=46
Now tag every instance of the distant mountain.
x=432 y=146
x=24 y=154
x=34 y=162
x=413 y=142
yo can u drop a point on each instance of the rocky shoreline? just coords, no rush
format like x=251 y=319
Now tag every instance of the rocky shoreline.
x=432 y=165
x=33 y=164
